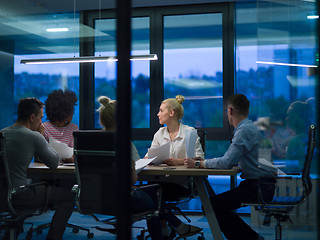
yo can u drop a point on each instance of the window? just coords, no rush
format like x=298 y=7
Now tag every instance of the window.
x=105 y=73
x=192 y=47
x=279 y=79
x=39 y=80
x=193 y=66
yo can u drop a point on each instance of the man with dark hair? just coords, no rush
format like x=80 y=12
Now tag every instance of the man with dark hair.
x=243 y=151
x=23 y=142
x=27 y=107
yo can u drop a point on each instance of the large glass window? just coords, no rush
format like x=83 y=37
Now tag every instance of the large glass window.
x=39 y=80
x=49 y=36
x=193 y=66
x=105 y=73
x=279 y=79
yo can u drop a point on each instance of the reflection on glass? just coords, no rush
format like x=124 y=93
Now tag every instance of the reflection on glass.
x=39 y=80
x=282 y=97
x=105 y=73
x=193 y=66
x=142 y=147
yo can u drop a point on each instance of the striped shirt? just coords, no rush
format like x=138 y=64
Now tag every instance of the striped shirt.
x=62 y=134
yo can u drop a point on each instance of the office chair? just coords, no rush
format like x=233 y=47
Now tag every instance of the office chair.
x=10 y=215
x=95 y=162
x=281 y=206
x=75 y=229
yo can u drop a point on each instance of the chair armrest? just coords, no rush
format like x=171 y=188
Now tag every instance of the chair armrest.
x=146 y=186
x=284 y=177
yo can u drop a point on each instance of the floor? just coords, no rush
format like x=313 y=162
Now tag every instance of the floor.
x=289 y=232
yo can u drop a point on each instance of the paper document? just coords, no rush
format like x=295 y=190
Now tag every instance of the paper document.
x=269 y=166
x=68 y=164
x=141 y=163
x=161 y=153
x=62 y=149
x=190 y=141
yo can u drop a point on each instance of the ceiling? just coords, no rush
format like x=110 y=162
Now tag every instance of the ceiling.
x=9 y=7
x=23 y=23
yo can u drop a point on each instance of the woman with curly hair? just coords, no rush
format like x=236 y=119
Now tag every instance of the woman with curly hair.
x=59 y=108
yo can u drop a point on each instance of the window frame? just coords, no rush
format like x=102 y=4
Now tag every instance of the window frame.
x=156 y=16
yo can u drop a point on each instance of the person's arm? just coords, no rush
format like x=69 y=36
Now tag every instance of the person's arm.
x=243 y=140
x=192 y=163
x=155 y=142
x=134 y=176
x=230 y=158
x=174 y=161
x=199 y=150
x=47 y=154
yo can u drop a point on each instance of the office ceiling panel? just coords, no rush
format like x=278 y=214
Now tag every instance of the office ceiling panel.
x=23 y=23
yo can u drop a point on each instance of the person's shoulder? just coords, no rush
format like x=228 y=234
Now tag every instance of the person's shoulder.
x=30 y=134
x=247 y=123
x=246 y=127
x=5 y=129
x=34 y=133
x=186 y=127
x=47 y=124
x=73 y=126
x=161 y=130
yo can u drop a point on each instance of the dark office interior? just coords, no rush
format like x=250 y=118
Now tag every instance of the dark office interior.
x=206 y=51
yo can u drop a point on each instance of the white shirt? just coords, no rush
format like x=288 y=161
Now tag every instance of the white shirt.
x=177 y=145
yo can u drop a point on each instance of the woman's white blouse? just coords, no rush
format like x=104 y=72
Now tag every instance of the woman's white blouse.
x=177 y=145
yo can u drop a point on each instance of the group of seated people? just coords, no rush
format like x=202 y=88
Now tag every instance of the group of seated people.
x=30 y=136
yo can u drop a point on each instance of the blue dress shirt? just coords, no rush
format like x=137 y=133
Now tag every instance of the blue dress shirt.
x=243 y=150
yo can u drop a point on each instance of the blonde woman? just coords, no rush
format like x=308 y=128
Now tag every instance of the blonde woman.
x=141 y=200
x=170 y=113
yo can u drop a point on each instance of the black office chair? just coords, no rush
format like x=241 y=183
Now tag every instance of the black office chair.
x=281 y=206
x=10 y=215
x=95 y=162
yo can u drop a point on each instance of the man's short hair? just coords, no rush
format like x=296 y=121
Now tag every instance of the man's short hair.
x=240 y=103
x=27 y=107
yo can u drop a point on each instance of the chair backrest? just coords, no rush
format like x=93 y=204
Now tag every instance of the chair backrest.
x=5 y=181
x=95 y=162
x=306 y=180
x=202 y=135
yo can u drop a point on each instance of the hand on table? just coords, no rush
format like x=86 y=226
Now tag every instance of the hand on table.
x=189 y=162
x=68 y=160
x=173 y=162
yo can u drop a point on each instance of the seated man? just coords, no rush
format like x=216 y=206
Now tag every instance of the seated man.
x=23 y=141
x=243 y=151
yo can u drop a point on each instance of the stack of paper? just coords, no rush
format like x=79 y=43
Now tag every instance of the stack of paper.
x=62 y=149
x=141 y=163
x=160 y=153
x=190 y=141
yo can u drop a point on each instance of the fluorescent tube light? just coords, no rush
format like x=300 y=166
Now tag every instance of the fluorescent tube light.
x=287 y=64
x=87 y=59
x=57 y=29
x=313 y=16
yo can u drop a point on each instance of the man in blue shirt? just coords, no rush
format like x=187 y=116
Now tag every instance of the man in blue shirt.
x=243 y=151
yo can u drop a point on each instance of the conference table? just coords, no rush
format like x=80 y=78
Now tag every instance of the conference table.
x=157 y=173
